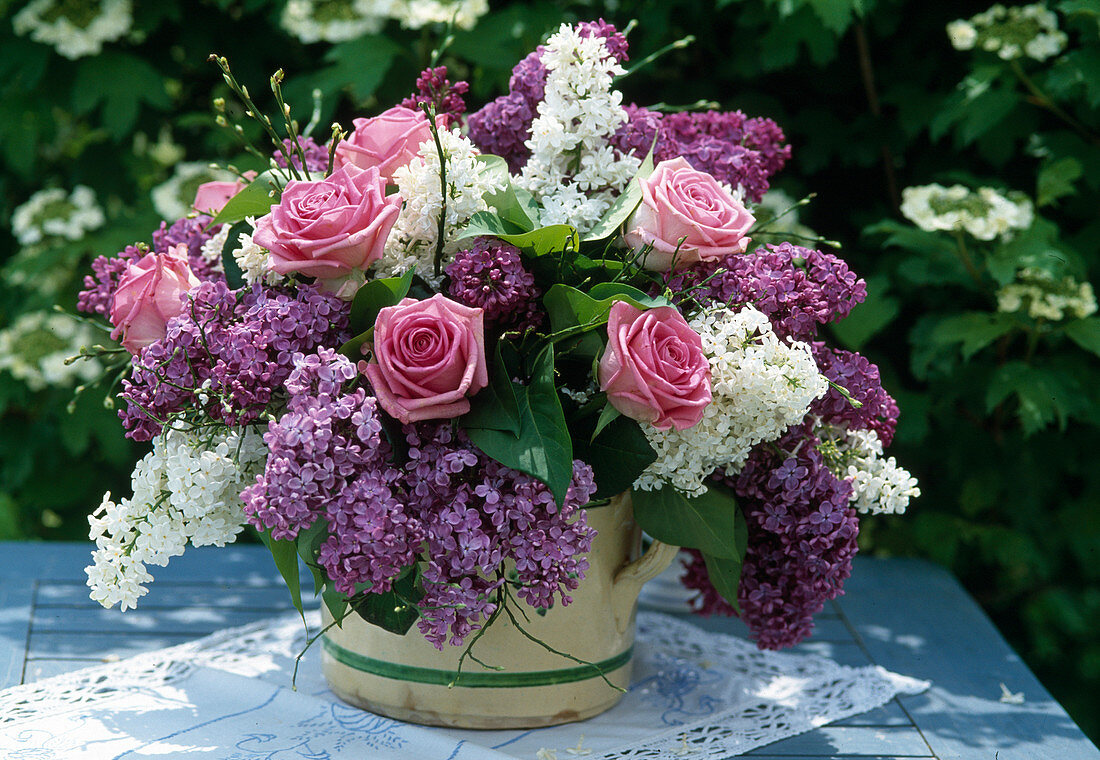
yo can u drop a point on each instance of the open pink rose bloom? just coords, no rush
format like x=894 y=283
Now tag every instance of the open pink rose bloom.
x=429 y=357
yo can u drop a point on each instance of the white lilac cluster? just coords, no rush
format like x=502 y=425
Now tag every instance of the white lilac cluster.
x=412 y=242
x=35 y=347
x=464 y=14
x=253 y=259
x=984 y=213
x=74 y=29
x=1015 y=32
x=340 y=20
x=573 y=170
x=760 y=386
x=1043 y=296
x=55 y=213
x=879 y=485
x=187 y=489
x=334 y=20
x=173 y=198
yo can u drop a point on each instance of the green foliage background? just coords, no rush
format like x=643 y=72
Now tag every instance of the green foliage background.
x=998 y=412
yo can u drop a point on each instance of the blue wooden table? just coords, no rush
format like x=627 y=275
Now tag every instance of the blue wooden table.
x=908 y=616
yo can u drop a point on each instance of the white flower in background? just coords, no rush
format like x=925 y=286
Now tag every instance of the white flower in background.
x=35 y=347
x=187 y=489
x=879 y=485
x=760 y=386
x=1042 y=296
x=165 y=151
x=334 y=20
x=412 y=241
x=173 y=198
x=414 y=14
x=767 y=212
x=1014 y=32
x=984 y=213
x=55 y=213
x=76 y=28
x=573 y=171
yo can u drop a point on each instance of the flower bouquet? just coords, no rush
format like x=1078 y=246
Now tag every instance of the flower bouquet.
x=452 y=362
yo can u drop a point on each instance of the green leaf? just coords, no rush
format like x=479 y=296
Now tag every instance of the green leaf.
x=543 y=448
x=359 y=65
x=707 y=523
x=725 y=572
x=836 y=15
x=1085 y=333
x=495 y=407
x=538 y=242
x=607 y=416
x=624 y=205
x=309 y=545
x=256 y=199
x=1043 y=396
x=285 y=554
x=570 y=307
x=974 y=330
x=394 y=610
x=514 y=205
x=118 y=83
x=868 y=318
x=1056 y=179
x=376 y=295
x=617 y=455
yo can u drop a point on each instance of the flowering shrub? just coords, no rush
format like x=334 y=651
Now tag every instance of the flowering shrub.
x=450 y=367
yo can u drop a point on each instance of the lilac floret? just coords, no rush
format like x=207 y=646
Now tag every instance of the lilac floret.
x=316 y=155
x=192 y=232
x=860 y=377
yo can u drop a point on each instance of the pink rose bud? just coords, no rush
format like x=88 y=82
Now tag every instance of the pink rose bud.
x=211 y=197
x=682 y=204
x=429 y=356
x=388 y=141
x=331 y=227
x=150 y=292
x=654 y=369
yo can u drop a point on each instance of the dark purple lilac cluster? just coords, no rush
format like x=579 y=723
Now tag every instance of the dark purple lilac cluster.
x=316 y=155
x=433 y=88
x=801 y=540
x=490 y=275
x=228 y=353
x=448 y=504
x=503 y=126
x=728 y=145
x=797 y=288
x=860 y=377
x=192 y=232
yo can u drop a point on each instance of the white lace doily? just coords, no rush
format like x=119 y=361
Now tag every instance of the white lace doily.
x=695 y=694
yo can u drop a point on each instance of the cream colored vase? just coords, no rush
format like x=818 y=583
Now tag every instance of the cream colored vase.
x=405 y=677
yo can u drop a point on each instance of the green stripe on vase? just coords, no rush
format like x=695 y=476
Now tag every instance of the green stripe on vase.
x=473 y=680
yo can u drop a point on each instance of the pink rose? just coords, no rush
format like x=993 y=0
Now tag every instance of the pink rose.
x=388 y=141
x=654 y=369
x=428 y=357
x=211 y=197
x=330 y=227
x=680 y=203
x=150 y=292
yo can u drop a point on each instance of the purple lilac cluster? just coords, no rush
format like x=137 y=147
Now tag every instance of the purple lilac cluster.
x=227 y=353
x=192 y=232
x=316 y=155
x=478 y=513
x=797 y=288
x=801 y=541
x=433 y=88
x=465 y=512
x=503 y=126
x=490 y=275
x=860 y=377
x=726 y=144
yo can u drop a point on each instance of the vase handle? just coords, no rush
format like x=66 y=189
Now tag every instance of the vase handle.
x=631 y=577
